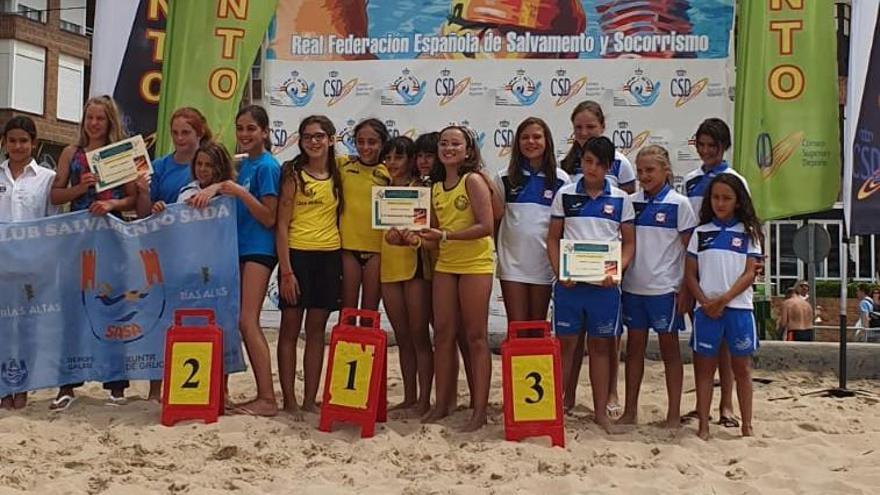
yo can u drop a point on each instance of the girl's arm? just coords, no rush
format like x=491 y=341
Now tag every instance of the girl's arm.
x=554 y=235
x=263 y=209
x=743 y=282
x=627 y=245
x=282 y=223
x=497 y=197
x=127 y=203
x=430 y=237
x=692 y=279
x=60 y=193
x=144 y=205
x=685 y=301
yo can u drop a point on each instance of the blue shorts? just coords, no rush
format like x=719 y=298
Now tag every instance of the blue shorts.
x=586 y=306
x=646 y=312
x=736 y=327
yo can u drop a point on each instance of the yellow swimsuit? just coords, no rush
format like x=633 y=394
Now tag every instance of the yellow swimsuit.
x=355 y=225
x=313 y=222
x=454 y=213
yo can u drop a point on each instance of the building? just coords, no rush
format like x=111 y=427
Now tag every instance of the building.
x=44 y=59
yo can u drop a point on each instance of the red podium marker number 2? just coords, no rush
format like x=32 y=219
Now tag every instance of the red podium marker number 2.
x=193 y=384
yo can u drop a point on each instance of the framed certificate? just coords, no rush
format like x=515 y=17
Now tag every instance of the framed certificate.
x=401 y=208
x=589 y=261
x=120 y=162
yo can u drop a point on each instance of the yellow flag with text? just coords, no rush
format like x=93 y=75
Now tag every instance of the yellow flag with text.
x=210 y=46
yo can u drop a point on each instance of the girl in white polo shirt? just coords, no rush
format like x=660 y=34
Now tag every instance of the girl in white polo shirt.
x=529 y=184
x=24 y=193
x=722 y=255
x=654 y=295
x=590 y=209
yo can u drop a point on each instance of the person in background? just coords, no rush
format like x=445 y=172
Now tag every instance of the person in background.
x=796 y=318
x=24 y=193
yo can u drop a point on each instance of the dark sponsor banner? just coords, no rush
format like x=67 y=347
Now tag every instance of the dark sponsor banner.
x=865 y=215
x=140 y=74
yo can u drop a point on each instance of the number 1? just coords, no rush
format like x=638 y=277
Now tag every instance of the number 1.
x=352 y=367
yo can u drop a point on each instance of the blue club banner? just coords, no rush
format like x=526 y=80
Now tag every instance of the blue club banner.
x=86 y=298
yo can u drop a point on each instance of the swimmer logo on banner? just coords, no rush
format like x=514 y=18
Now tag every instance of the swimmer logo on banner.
x=657 y=68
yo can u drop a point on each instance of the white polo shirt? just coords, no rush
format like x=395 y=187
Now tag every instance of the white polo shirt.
x=658 y=265
x=522 y=235
x=721 y=251
x=27 y=197
x=696 y=183
x=621 y=172
x=591 y=219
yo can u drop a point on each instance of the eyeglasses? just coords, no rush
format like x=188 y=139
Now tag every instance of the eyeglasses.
x=318 y=136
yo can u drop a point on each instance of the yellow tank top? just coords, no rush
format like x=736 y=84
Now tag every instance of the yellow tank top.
x=355 y=225
x=453 y=210
x=399 y=263
x=313 y=222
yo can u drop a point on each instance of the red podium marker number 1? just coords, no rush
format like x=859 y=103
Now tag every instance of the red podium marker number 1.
x=357 y=370
x=530 y=372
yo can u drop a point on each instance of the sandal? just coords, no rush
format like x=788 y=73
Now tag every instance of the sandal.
x=728 y=422
x=614 y=411
x=116 y=401
x=687 y=418
x=62 y=403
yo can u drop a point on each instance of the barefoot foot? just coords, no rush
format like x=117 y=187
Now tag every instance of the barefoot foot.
x=476 y=422
x=257 y=407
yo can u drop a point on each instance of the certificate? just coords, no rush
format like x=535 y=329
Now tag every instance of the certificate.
x=119 y=163
x=401 y=208
x=589 y=261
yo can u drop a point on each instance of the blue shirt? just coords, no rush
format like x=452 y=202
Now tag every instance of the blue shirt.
x=169 y=177
x=261 y=177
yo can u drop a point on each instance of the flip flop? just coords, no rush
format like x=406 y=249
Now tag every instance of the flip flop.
x=691 y=416
x=614 y=411
x=728 y=422
x=62 y=403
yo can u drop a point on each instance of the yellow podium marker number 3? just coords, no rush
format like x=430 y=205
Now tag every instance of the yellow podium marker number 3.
x=190 y=373
x=352 y=371
x=534 y=392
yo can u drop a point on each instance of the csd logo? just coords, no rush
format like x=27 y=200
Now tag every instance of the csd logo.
x=332 y=88
x=445 y=84
x=680 y=87
x=560 y=86
x=622 y=138
x=278 y=137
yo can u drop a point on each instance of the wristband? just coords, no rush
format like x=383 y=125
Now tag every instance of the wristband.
x=443 y=236
x=287 y=275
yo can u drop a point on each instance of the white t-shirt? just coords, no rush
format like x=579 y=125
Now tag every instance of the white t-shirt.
x=658 y=265
x=522 y=235
x=621 y=172
x=591 y=219
x=696 y=183
x=188 y=191
x=721 y=252
x=27 y=197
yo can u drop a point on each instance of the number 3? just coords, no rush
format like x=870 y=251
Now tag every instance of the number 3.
x=194 y=364
x=536 y=387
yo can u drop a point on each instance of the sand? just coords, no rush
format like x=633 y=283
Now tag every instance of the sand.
x=802 y=445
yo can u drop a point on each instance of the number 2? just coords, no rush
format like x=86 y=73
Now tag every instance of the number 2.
x=536 y=387
x=352 y=367
x=189 y=383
